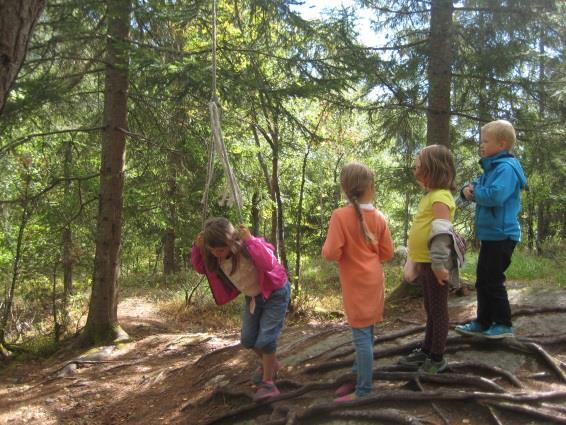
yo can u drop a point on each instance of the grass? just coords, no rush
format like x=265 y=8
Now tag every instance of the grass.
x=319 y=296
x=525 y=267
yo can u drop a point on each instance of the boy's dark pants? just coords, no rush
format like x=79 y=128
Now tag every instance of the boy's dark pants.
x=493 y=303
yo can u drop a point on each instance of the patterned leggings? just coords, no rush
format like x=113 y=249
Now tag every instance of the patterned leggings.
x=436 y=307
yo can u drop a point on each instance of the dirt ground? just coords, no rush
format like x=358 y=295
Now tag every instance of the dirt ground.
x=176 y=373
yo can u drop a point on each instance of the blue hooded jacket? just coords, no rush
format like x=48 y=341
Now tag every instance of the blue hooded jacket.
x=497 y=194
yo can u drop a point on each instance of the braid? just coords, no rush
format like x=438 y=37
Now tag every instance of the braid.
x=365 y=231
x=355 y=179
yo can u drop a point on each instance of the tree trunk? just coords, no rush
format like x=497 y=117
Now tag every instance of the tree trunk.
x=530 y=220
x=169 y=261
x=300 y=221
x=255 y=213
x=268 y=182
x=542 y=160
x=542 y=225
x=406 y=219
x=67 y=240
x=8 y=301
x=170 y=257
x=281 y=249
x=17 y=22
x=102 y=322
x=439 y=73
x=335 y=175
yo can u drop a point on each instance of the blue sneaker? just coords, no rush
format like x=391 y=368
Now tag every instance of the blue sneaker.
x=472 y=328
x=499 y=332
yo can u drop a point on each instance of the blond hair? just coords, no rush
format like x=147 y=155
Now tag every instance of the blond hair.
x=437 y=168
x=503 y=131
x=355 y=179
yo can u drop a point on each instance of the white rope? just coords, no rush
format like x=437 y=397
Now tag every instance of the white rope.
x=220 y=148
x=209 y=175
x=232 y=192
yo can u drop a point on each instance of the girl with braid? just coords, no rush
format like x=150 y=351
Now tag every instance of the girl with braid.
x=359 y=241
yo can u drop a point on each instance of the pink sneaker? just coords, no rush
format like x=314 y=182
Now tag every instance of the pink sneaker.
x=345 y=398
x=345 y=389
x=257 y=376
x=266 y=390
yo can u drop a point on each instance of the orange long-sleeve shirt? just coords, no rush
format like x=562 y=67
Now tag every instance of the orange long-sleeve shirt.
x=361 y=274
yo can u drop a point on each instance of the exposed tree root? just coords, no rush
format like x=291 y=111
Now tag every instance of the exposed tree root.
x=443 y=379
x=492 y=388
x=530 y=311
x=435 y=407
x=292 y=347
x=215 y=352
x=402 y=395
x=494 y=415
x=540 y=413
x=514 y=344
x=561 y=409
x=389 y=415
x=550 y=361
x=378 y=340
x=491 y=369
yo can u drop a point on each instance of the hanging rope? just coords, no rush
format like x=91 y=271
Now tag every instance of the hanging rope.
x=217 y=143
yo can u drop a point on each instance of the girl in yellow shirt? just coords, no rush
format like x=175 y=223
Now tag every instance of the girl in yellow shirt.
x=435 y=172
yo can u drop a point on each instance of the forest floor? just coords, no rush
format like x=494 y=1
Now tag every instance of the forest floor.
x=180 y=373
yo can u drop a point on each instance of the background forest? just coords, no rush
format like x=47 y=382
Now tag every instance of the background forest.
x=105 y=134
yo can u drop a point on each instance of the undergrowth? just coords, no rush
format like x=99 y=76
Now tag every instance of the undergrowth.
x=316 y=296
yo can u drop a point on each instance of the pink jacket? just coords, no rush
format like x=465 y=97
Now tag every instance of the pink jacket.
x=272 y=275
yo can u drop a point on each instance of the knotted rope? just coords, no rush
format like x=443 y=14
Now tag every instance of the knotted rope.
x=216 y=144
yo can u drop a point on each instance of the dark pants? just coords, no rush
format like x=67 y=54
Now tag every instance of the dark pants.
x=493 y=302
x=436 y=306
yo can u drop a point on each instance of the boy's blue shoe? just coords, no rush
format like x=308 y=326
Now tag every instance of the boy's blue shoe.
x=499 y=332
x=472 y=328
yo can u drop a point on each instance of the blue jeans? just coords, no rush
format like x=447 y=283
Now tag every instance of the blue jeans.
x=262 y=328
x=363 y=364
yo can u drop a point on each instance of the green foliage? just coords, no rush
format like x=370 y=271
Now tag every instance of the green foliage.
x=309 y=86
x=526 y=267
x=40 y=346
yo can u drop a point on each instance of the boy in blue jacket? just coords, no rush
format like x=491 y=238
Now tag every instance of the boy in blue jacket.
x=497 y=194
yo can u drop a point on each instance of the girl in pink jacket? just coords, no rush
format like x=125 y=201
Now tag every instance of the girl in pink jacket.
x=236 y=262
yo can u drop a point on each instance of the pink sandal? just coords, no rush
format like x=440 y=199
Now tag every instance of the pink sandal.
x=346 y=398
x=345 y=389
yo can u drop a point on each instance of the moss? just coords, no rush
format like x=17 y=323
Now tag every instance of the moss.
x=104 y=334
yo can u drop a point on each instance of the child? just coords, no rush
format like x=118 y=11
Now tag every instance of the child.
x=233 y=262
x=497 y=194
x=433 y=251
x=359 y=240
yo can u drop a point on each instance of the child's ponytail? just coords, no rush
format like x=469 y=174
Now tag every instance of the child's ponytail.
x=369 y=237
x=355 y=179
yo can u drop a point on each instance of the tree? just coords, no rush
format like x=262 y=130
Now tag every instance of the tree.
x=439 y=73
x=102 y=322
x=17 y=22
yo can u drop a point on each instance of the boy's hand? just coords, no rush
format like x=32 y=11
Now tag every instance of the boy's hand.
x=244 y=233
x=199 y=241
x=442 y=276
x=468 y=192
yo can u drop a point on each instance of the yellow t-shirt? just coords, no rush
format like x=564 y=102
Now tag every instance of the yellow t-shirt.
x=422 y=223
